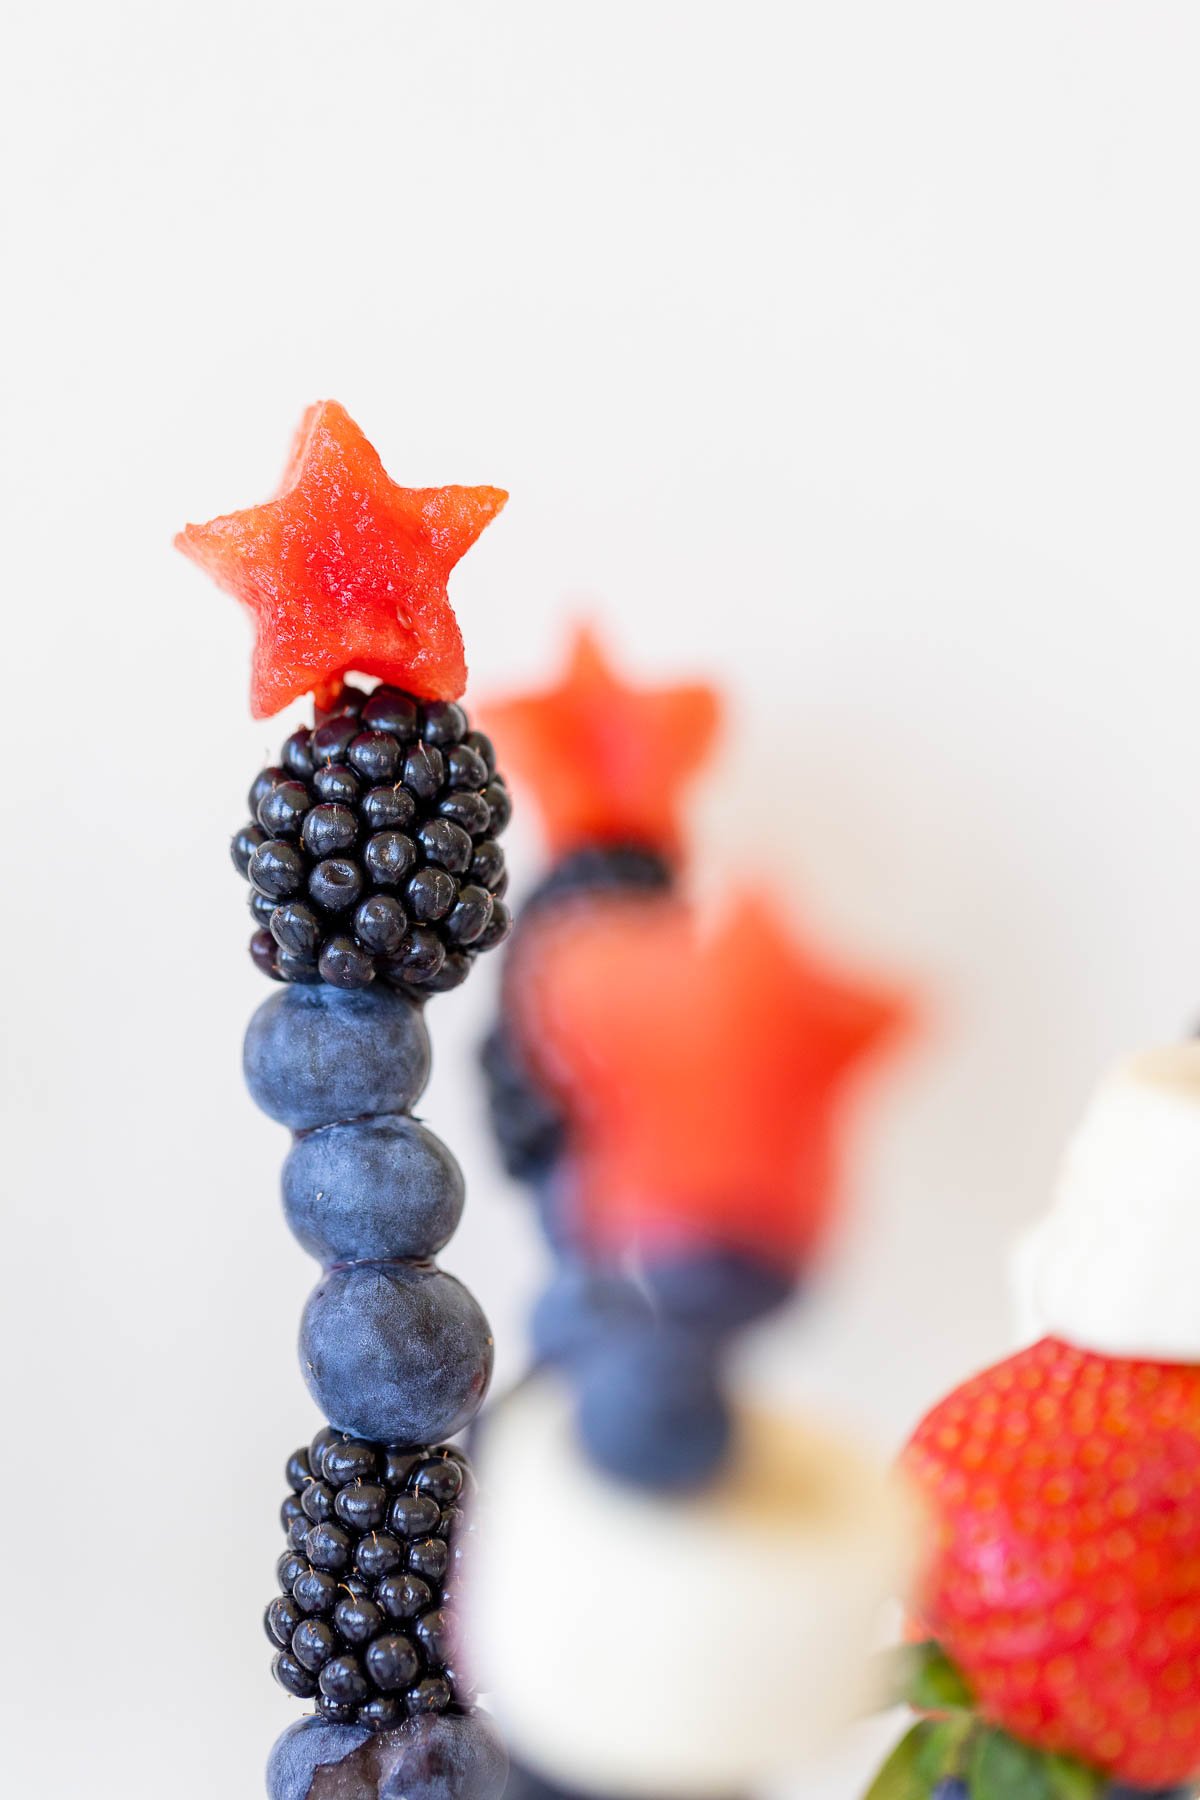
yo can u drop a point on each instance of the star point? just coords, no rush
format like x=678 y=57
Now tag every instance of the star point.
x=345 y=569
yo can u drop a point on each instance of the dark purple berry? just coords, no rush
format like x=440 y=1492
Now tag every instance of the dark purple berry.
x=429 y=1558
x=335 y=884
x=345 y=964
x=443 y=722
x=331 y=740
x=388 y=857
x=243 y=844
x=358 y=1619
x=423 y=771
x=430 y=894
x=498 y=928
x=264 y=781
x=390 y=710
x=343 y=1681
x=313 y=1643
x=337 y=783
x=296 y=968
x=297 y=756
x=487 y=864
x=262 y=909
x=435 y=1634
x=344 y=1460
x=376 y=756
x=329 y=1547
x=453 y=972
x=335 y=1714
x=328 y=829
x=277 y=869
x=440 y=1478
x=289 y=1566
x=404 y=1595
x=298 y=1471
x=497 y=797
x=471 y=811
x=388 y=808
x=292 y=1677
x=381 y=1711
x=316 y=1502
x=432 y=1695
x=282 y=808
x=482 y=744
x=446 y=844
x=362 y=1506
x=295 y=927
x=262 y=954
x=465 y=768
x=391 y=1662
x=413 y=1515
x=281 y=1619
x=377 y=1555
x=470 y=916
x=379 y=924
x=420 y=956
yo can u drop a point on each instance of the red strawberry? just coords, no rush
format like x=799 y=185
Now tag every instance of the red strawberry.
x=1064 y=1575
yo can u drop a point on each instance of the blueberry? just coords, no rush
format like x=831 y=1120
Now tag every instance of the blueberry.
x=404 y=1595
x=308 y=1745
x=442 y=722
x=316 y=1055
x=297 y=755
x=388 y=857
x=379 y=924
x=335 y=884
x=344 y=963
x=399 y=1353
x=420 y=957
x=263 y=782
x=376 y=756
x=295 y=927
x=583 y=1307
x=487 y=864
x=430 y=894
x=470 y=915
x=465 y=768
x=650 y=1408
x=343 y=1681
x=371 y=1190
x=329 y=827
x=337 y=783
x=423 y=771
x=441 y=1756
x=331 y=740
x=953 y=1787
x=716 y=1291
x=471 y=811
x=242 y=846
x=391 y=1662
x=282 y=808
x=446 y=844
x=391 y=711
x=292 y=1676
x=498 y=798
x=388 y=808
x=277 y=868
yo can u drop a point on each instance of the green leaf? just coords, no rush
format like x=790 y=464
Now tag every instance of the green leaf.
x=1002 y=1768
x=902 y=1776
x=935 y=1685
x=1071 y=1780
x=944 y=1751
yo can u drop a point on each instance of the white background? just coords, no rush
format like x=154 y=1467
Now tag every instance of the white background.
x=847 y=353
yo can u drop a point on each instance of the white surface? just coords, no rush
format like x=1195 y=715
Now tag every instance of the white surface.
x=730 y=1633
x=850 y=351
x=1112 y=1266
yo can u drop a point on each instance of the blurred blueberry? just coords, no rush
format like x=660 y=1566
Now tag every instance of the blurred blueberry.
x=650 y=1408
x=951 y=1787
x=399 y=1353
x=443 y=1756
x=318 y=1055
x=305 y=1747
x=715 y=1291
x=376 y=1188
x=580 y=1307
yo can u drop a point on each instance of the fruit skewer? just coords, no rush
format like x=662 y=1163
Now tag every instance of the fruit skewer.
x=376 y=880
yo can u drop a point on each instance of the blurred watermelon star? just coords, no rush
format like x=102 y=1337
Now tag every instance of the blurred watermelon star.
x=704 y=1071
x=606 y=762
x=345 y=569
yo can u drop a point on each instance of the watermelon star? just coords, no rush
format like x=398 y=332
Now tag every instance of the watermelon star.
x=345 y=569
x=606 y=762
x=703 y=1073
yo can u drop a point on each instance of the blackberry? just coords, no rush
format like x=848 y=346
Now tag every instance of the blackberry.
x=372 y=848
x=365 y=1623
x=526 y=1122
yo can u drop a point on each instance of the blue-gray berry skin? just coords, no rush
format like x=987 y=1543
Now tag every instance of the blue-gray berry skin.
x=581 y=1308
x=318 y=1055
x=399 y=1353
x=650 y=1409
x=305 y=1747
x=443 y=1756
x=371 y=1190
x=715 y=1291
x=951 y=1787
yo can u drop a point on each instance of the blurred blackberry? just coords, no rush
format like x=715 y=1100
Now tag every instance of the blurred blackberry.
x=365 y=1623
x=526 y=1124
x=372 y=850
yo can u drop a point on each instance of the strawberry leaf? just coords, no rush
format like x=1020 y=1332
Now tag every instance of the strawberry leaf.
x=934 y=1684
x=903 y=1775
x=1002 y=1768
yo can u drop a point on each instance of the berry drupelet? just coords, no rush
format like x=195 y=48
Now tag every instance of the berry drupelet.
x=372 y=850
x=364 y=1625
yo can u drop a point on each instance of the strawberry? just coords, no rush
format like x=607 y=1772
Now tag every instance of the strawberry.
x=1063 y=1577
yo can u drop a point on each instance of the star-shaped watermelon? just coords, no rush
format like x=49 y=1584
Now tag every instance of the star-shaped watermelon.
x=703 y=1072
x=606 y=762
x=345 y=569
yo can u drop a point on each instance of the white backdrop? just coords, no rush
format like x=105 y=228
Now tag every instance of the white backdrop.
x=847 y=353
